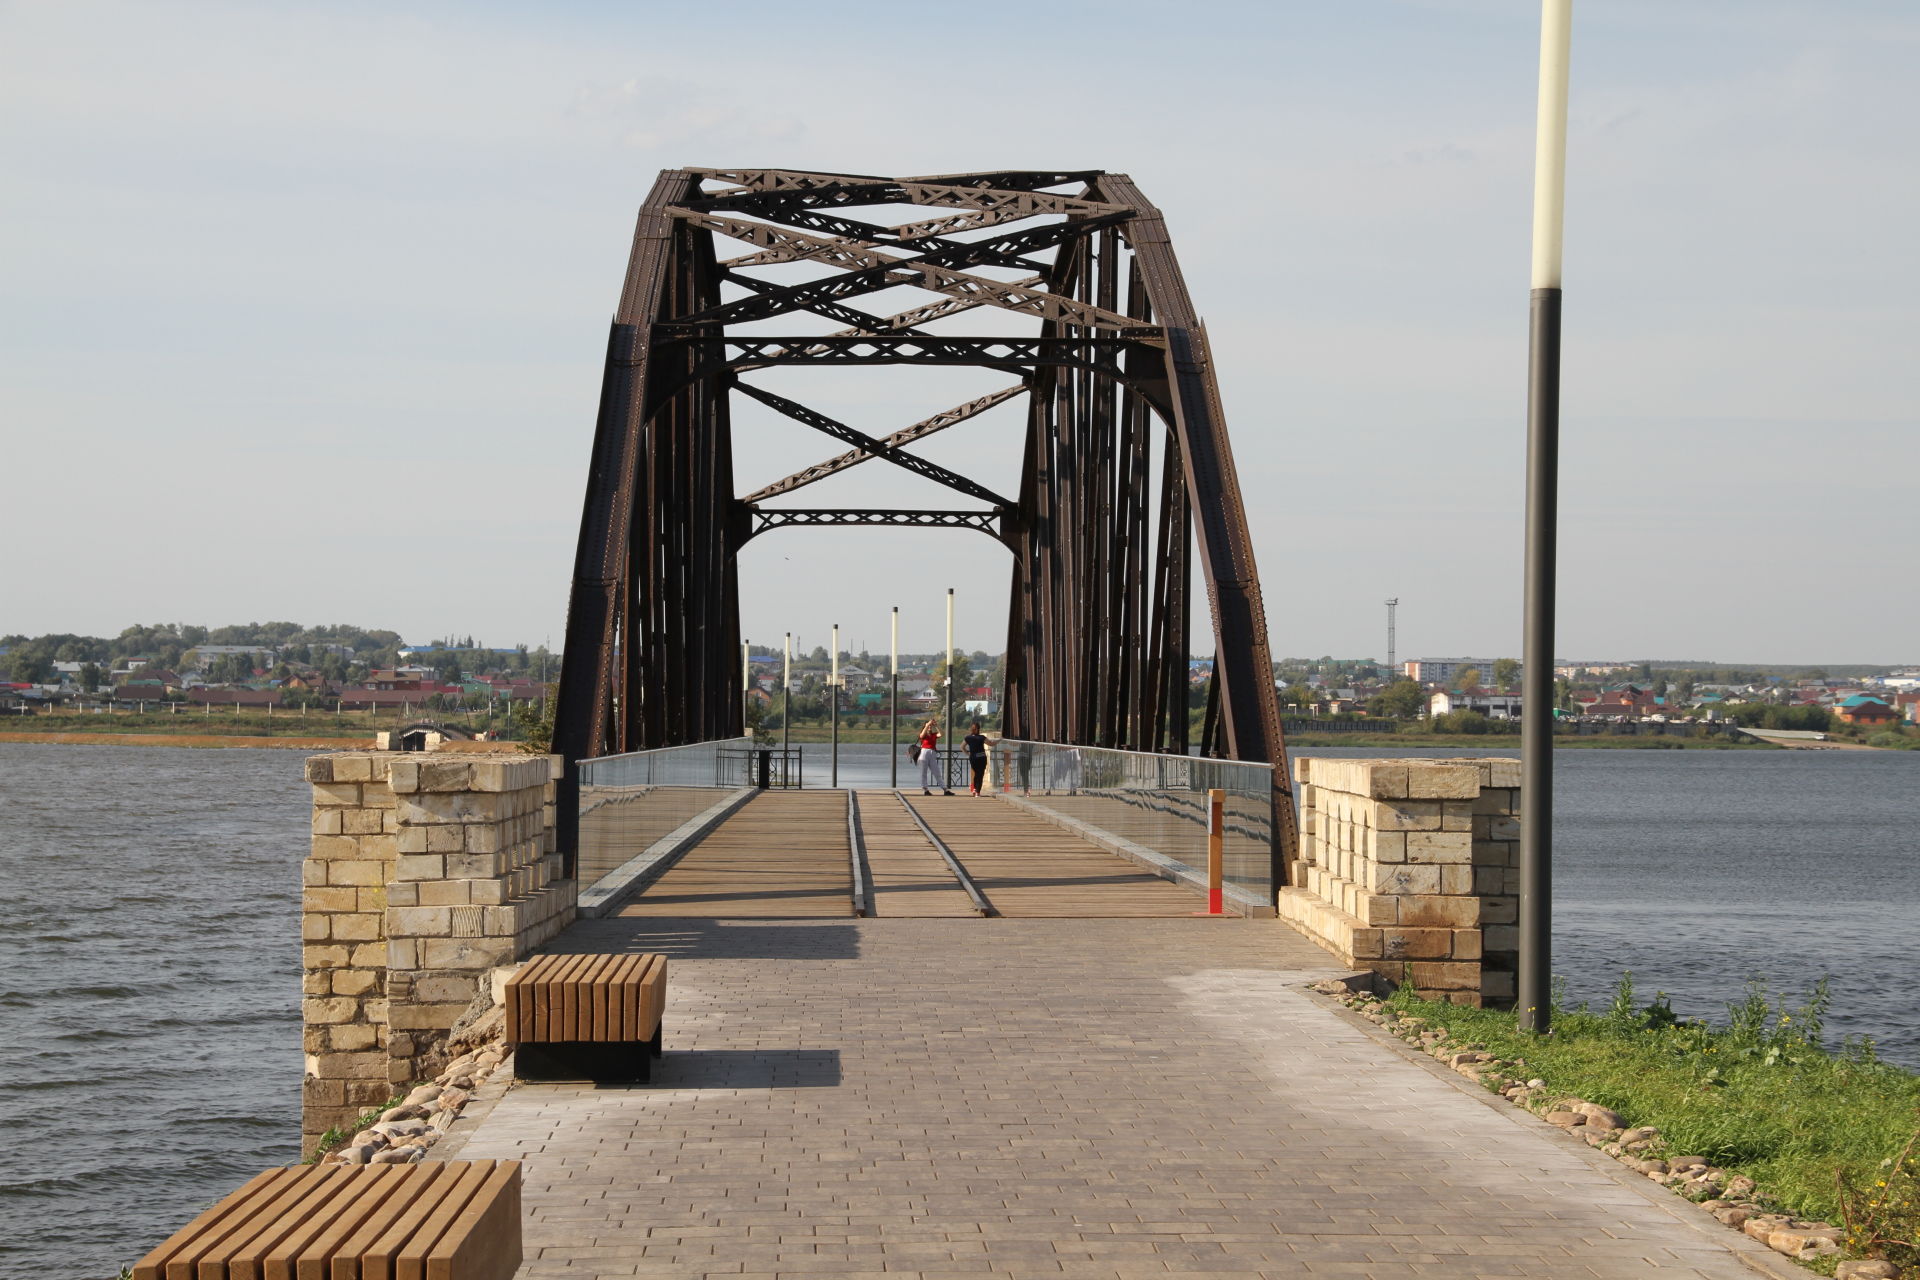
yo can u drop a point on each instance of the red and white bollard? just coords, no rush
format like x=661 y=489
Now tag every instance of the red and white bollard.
x=1216 y=853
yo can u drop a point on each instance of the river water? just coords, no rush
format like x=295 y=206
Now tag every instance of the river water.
x=149 y=946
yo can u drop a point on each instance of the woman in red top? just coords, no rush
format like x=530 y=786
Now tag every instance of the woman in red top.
x=931 y=774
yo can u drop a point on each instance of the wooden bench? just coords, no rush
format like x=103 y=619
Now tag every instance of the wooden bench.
x=591 y=1017
x=457 y=1220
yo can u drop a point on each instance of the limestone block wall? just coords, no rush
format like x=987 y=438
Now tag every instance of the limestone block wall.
x=1410 y=868
x=426 y=872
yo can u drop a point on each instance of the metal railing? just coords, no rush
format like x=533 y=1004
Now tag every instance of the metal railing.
x=630 y=802
x=1156 y=804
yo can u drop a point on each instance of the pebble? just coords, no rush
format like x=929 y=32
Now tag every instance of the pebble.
x=1566 y=1119
x=1680 y=1164
x=1536 y=1083
x=1601 y=1116
x=424 y=1094
x=406 y=1111
x=399 y=1155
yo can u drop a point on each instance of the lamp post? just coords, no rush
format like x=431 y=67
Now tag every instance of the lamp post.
x=833 y=697
x=1533 y=988
x=893 y=707
x=946 y=763
x=786 y=703
x=746 y=675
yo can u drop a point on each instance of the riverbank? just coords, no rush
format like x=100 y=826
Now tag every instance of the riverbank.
x=1511 y=742
x=1757 y=1120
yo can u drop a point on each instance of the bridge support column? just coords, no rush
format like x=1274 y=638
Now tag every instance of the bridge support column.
x=1410 y=869
x=426 y=873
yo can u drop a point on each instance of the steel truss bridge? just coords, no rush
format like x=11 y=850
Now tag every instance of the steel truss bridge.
x=1127 y=480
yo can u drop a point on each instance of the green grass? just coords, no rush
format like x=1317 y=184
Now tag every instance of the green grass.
x=1760 y=1096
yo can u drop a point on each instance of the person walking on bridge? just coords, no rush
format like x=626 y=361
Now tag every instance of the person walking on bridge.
x=976 y=743
x=931 y=774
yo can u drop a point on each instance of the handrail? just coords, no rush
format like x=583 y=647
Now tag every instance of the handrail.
x=654 y=751
x=1127 y=751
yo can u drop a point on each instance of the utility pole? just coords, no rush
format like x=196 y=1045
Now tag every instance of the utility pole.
x=1534 y=999
x=1392 y=670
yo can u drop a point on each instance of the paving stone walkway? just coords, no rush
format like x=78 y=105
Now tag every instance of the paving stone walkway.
x=1091 y=1098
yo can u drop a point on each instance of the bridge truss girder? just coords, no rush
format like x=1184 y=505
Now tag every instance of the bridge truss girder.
x=1127 y=485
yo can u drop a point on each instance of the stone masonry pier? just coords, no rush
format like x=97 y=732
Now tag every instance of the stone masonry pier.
x=1409 y=869
x=426 y=872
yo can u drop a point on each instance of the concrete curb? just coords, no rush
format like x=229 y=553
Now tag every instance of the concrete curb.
x=642 y=870
x=1748 y=1250
x=1238 y=900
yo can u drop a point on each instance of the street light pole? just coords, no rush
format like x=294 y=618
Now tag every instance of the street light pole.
x=786 y=704
x=833 y=696
x=893 y=707
x=946 y=765
x=1533 y=990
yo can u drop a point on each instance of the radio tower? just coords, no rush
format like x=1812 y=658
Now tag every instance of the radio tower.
x=1392 y=671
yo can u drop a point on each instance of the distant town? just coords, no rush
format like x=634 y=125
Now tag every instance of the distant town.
x=344 y=670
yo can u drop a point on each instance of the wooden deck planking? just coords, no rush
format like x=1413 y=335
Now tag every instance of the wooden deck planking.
x=909 y=877
x=782 y=855
x=1028 y=867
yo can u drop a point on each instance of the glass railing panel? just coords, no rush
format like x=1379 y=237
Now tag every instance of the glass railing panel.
x=1155 y=801
x=629 y=802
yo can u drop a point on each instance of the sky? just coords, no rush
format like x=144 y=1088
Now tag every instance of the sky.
x=303 y=307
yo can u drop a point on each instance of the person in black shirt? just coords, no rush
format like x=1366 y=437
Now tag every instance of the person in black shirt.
x=976 y=744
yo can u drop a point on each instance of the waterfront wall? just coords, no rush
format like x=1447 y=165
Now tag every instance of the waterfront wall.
x=425 y=874
x=1410 y=869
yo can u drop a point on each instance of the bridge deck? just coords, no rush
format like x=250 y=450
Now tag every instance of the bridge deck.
x=1028 y=867
x=784 y=855
x=781 y=856
x=909 y=877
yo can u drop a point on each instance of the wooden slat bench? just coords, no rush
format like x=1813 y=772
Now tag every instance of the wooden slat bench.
x=592 y=1017
x=457 y=1220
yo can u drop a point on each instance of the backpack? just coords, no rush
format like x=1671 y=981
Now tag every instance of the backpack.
x=913 y=751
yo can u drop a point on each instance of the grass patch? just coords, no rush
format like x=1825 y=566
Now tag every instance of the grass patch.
x=1761 y=1095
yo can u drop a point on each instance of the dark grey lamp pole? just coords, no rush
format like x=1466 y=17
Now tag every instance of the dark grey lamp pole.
x=1534 y=981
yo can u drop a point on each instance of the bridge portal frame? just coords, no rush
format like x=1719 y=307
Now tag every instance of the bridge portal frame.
x=1103 y=541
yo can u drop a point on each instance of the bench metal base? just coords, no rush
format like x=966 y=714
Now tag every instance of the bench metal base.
x=597 y=1061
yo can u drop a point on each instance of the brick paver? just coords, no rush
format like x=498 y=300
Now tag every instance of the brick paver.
x=1093 y=1098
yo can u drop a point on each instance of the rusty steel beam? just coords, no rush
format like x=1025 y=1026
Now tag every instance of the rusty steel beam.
x=907 y=435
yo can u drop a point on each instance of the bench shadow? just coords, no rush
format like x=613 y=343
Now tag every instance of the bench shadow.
x=694 y=936
x=746 y=1069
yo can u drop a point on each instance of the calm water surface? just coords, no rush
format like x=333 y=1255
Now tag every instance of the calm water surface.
x=149 y=946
